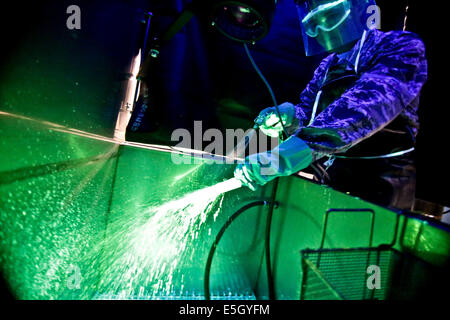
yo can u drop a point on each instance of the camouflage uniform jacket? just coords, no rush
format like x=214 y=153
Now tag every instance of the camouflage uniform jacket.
x=384 y=87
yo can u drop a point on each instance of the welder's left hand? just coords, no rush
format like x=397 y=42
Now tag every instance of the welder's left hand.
x=269 y=123
x=289 y=157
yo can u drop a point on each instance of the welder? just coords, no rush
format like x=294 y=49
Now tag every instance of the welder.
x=357 y=118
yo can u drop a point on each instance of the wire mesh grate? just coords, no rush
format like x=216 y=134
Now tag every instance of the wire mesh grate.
x=343 y=274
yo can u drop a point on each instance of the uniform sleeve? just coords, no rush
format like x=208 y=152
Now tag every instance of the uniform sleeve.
x=397 y=73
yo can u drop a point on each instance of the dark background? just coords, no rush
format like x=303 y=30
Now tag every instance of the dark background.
x=204 y=76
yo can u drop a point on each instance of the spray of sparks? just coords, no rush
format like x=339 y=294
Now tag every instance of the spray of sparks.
x=141 y=253
x=149 y=247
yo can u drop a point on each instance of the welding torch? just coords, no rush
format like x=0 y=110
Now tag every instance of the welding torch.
x=273 y=129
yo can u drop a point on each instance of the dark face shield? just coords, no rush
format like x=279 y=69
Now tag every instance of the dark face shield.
x=329 y=25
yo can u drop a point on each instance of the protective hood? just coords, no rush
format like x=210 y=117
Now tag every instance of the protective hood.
x=328 y=25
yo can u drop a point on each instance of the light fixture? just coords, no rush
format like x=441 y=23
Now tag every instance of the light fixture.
x=245 y=20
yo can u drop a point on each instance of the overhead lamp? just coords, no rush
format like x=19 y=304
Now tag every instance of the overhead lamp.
x=245 y=20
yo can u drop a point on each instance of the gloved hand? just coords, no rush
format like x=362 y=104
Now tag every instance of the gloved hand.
x=287 y=158
x=269 y=122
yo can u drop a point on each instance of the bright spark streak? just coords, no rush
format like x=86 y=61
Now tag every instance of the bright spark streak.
x=149 y=248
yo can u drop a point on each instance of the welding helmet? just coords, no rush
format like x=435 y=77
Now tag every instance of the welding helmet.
x=329 y=25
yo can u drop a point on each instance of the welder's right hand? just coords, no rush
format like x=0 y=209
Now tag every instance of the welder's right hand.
x=287 y=158
x=270 y=124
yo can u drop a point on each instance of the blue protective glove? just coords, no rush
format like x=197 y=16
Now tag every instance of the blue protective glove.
x=269 y=122
x=289 y=157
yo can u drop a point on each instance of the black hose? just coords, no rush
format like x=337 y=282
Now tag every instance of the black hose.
x=270 y=281
x=272 y=95
x=219 y=236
